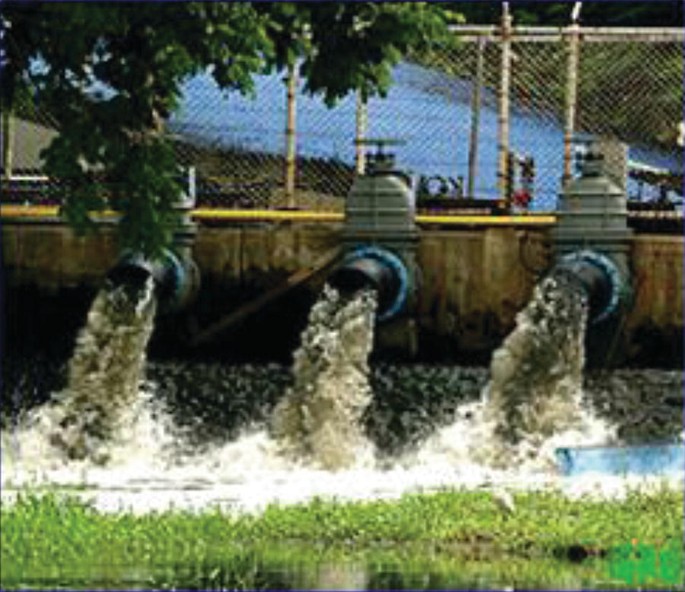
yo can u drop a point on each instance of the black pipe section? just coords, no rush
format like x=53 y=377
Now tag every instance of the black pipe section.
x=175 y=280
x=379 y=269
x=599 y=277
x=365 y=273
x=593 y=283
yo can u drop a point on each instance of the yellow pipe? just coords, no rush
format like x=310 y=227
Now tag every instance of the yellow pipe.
x=13 y=211
x=20 y=211
x=276 y=215
x=480 y=220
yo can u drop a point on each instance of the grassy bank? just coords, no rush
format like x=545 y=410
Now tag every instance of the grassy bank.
x=55 y=534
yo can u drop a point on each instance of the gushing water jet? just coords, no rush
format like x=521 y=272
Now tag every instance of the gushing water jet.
x=535 y=390
x=320 y=417
x=105 y=373
x=319 y=420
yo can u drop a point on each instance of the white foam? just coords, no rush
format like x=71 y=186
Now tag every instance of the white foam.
x=147 y=470
x=249 y=473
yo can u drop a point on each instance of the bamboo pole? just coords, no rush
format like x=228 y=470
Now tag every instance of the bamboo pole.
x=571 y=98
x=7 y=144
x=361 y=128
x=503 y=105
x=475 y=118
x=291 y=137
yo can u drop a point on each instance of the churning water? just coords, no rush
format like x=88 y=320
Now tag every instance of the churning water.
x=536 y=376
x=533 y=402
x=320 y=417
x=96 y=410
x=124 y=450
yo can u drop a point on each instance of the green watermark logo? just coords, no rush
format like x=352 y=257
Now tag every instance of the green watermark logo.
x=636 y=563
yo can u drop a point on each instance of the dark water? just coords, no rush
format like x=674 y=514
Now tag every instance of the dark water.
x=214 y=402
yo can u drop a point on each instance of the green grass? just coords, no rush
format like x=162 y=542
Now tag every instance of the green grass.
x=53 y=535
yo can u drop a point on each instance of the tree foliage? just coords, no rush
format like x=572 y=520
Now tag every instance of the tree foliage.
x=111 y=73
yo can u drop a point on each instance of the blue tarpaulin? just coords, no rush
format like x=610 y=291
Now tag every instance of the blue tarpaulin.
x=648 y=459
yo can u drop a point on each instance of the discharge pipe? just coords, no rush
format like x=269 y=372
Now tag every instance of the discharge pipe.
x=175 y=274
x=176 y=280
x=599 y=277
x=371 y=267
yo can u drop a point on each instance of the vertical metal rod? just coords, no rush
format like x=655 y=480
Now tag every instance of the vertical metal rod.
x=291 y=138
x=185 y=229
x=503 y=111
x=192 y=184
x=571 y=97
x=475 y=118
x=7 y=143
x=361 y=122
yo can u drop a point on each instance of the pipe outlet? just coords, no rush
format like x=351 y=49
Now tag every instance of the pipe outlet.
x=600 y=277
x=176 y=280
x=378 y=269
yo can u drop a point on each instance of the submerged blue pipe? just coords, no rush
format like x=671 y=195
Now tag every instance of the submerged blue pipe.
x=377 y=268
x=645 y=459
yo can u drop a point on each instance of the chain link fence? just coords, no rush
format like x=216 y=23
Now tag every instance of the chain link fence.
x=465 y=133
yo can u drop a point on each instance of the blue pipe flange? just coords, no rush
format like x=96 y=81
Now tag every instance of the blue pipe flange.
x=168 y=271
x=398 y=269
x=611 y=273
x=179 y=283
x=176 y=273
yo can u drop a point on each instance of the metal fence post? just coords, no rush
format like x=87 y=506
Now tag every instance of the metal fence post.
x=7 y=143
x=475 y=118
x=361 y=121
x=571 y=96
x=192 y=184
x=503 y=110
x=291 y=137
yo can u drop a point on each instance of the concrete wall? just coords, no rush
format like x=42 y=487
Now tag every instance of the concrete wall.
x=473 y=281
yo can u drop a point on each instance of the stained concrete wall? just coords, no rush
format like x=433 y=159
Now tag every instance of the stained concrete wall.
x=473 y=281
